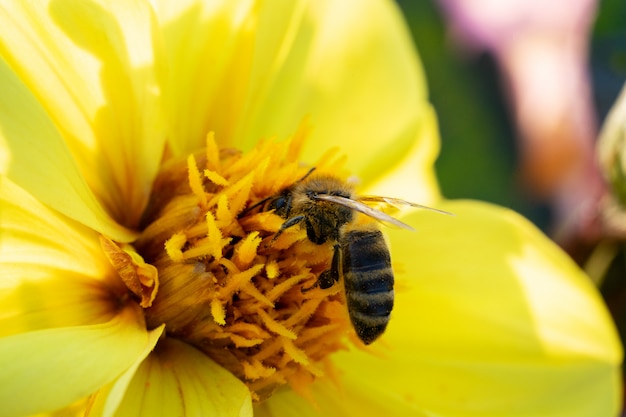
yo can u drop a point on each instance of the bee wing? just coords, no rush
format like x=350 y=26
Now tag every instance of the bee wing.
x=363 y=208
x=399 y=202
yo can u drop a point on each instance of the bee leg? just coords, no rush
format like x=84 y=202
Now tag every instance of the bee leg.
x=289 y=223
x=328 y=278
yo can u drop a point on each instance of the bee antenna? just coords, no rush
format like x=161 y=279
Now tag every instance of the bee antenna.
x=252 y=207
x=307 y=174
x=266 y=199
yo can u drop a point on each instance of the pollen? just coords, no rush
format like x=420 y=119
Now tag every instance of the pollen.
x=223 y=280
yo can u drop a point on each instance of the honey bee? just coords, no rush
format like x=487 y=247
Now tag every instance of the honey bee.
x=325 y=206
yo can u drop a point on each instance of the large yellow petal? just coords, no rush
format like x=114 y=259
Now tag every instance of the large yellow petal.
x=178 y=380
x=94 y=69
x=52 y=270
x=209 y=47
x=351 y=67
x=106 y=401
x=49 y=369
x=357 y=396
x=492 y=319
x=76 y=409
x=411 y=176
x=260 y=68
x=33 y=155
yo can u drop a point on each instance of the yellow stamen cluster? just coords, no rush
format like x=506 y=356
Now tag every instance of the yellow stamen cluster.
x=225 y=283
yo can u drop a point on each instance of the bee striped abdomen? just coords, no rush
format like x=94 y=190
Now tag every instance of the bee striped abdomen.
x=368 y=281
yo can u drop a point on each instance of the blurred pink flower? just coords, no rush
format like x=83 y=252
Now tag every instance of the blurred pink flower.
x=541 y=48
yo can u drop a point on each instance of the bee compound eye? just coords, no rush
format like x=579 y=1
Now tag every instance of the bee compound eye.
x=279 y=203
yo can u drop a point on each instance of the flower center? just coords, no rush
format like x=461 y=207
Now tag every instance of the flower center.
x=211 y=266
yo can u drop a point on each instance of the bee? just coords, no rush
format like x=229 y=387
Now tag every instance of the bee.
x=326 y=206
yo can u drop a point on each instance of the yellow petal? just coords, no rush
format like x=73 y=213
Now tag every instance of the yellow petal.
x=411 y=176
x=259 y=69
x=106 y=401
x=356 y=75
x=33 y=155
x=355 y=397
x=178 y=380
x=48 y=369
x=209 y=45
x=492 y=318
x=94 y=70
x=77 y=409
x=53 y=271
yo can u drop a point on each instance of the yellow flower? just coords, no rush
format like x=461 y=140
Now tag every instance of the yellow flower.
x=115 y=191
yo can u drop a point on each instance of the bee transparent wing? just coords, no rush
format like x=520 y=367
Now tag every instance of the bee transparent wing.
x=398 y=202
x=363 y=208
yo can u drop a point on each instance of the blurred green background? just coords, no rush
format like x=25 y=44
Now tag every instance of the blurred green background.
x=479 y=153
